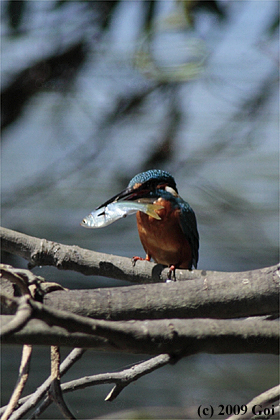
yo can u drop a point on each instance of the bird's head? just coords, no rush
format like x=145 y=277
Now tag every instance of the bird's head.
x=146 y=186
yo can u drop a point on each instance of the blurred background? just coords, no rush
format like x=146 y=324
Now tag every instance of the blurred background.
x=94 y=92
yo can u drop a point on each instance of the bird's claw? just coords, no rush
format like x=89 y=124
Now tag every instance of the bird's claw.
x=134 y=259
x=169 y=276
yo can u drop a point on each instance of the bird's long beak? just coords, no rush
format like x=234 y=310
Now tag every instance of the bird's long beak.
x=129 y=193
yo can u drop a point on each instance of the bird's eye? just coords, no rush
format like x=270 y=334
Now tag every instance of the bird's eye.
x=149 y=185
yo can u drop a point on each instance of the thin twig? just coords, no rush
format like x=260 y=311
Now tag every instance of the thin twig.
x=129 y=375
x=55 y=390
x=41 y=408
x=121 y=379
x=58 y=399
x=30 y=401
x=23 y=376
x=55 y=362
x=55 y=393
x=264 y=400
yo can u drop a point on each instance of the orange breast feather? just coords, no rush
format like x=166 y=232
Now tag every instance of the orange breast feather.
x=164 y=240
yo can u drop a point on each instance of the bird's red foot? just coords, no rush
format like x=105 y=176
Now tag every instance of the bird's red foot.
x=134 y=259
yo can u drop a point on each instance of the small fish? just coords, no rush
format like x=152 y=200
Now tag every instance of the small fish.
x=106 y=215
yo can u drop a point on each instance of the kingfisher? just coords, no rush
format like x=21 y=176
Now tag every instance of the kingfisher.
x=171 y=238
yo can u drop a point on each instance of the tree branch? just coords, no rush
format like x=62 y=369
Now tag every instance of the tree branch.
x=214 y=295
x=11 y=274
x=23 y=376
x=64 y=257
x=173 y=336
x=22 y=316
x=30 y=401
x=120 y=379
x=265 y=399
x=55 y=392
x=206 y=294
x=156 y=312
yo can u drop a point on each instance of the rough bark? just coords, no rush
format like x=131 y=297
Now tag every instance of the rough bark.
x=212 y=295
x=205 y=294
x=175 y=336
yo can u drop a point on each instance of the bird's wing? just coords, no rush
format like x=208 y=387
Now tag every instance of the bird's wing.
x=189 y=227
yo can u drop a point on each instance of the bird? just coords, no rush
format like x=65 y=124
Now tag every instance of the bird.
x=172 y=238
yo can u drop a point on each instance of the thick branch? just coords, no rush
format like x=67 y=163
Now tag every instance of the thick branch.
x=43 y=252
x=22 y=316
x=174 y=336
x=217 y=295
x=64 y=257
x=207 y=294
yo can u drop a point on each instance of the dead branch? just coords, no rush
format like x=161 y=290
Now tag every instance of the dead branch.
x=145 y=318
x=22 y=316
x=27 y=282
x=30 y=401
x=212 y=295
x=64 y=257
x=55 y=392
x=120 y=379
x=264 y=400
x=23 y=376
x=206 y=294
x=173 y=336
x=12 y=274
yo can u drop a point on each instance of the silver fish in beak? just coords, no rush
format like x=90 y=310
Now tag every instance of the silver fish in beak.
x=109 y=213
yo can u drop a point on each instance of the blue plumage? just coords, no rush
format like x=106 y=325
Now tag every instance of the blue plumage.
x=154 y=176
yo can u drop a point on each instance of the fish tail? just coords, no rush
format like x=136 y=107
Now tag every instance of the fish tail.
x=151 y=210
